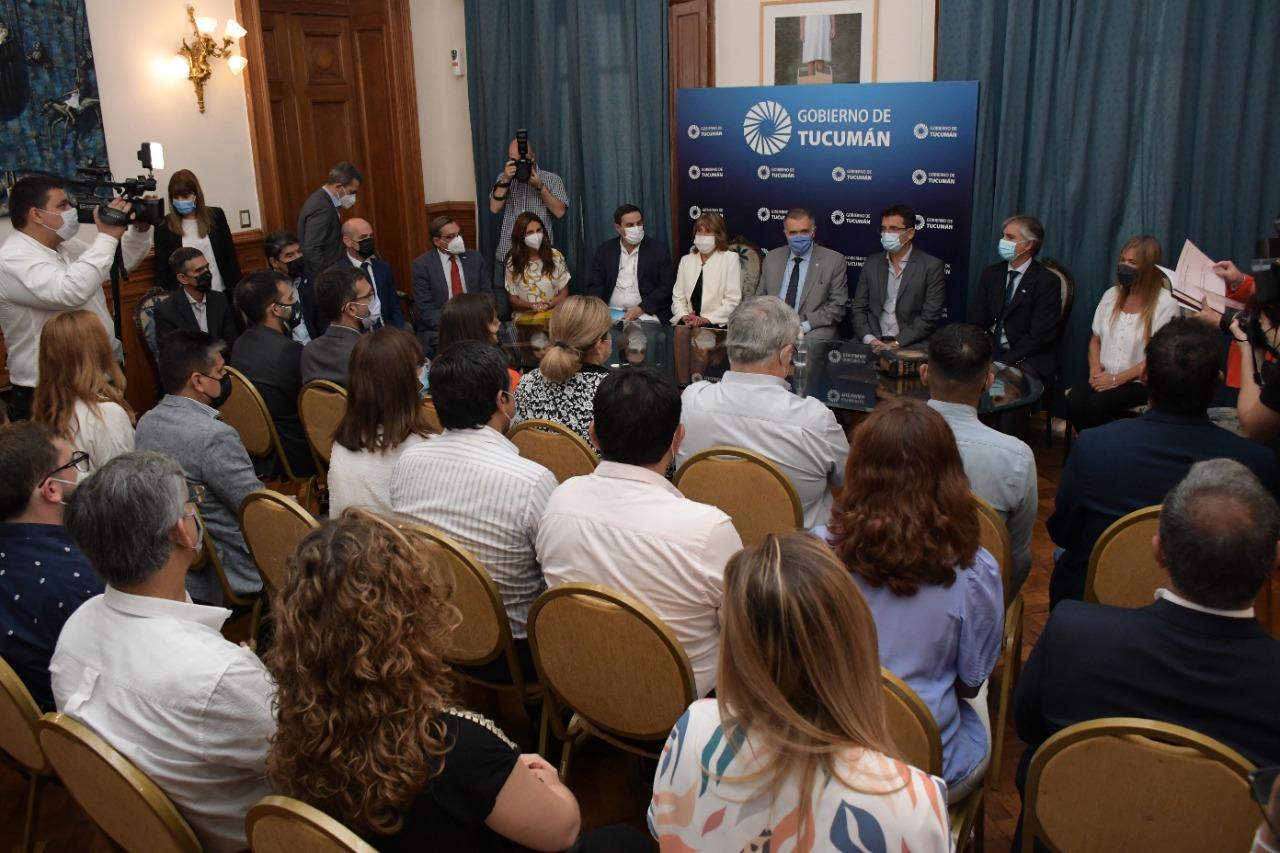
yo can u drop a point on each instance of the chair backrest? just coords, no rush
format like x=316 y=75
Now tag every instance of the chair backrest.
x=115 y=794
x=208 y=560
x=993 y=534
x=272 y=526
x=246 y=411
x=18 y=716
x=611 y=660
x=433 y=420
x=321 y=406
x=752 y=490
x=555 y=447
x=752 y=260
x=912 y=727
x=1130 y=784
x=1067 y=284
x=278 y=824
x=144 y=320
x=1122 y=568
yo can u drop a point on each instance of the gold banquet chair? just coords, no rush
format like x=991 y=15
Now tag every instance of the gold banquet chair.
x=272 y=526
x=116 y=795
x=1122 y=567
x=208 y=560
x=433 y=419
x=610 y=661
x=752 y=490
x=1130 y=784
x=20 y=741
x=555 y=447
x=279 y=824
x=321 y=406
x=247 y=413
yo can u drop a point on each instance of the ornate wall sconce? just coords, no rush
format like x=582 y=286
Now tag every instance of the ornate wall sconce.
x=196 y=57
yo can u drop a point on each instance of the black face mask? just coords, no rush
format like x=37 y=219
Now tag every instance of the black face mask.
x=365 y=247
x=204 y=281
x=1126 y=275
x=224 y=390
x=295 y=268
x=293 y=318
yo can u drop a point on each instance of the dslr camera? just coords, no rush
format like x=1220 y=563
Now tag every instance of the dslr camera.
x=1266 y=295
x=93 y=189
x=524 y=166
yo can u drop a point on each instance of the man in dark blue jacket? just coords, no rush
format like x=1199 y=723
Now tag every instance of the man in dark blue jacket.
x=357 y=238
x=633 y=273
x=444 y=271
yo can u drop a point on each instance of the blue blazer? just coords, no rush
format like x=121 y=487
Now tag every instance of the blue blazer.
x=385 y=285
x=654 y=273
x=431 y=289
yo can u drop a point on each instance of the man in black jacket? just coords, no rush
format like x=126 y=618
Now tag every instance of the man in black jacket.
x=633 y=273
x=195 y=306
x=284 y=255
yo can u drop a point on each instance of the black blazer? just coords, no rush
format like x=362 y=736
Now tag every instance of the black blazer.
x=1032 y=318
x=224 y=252
x=273 y=363
x=175 y=313
x=319 y=233
x=431 y=289
x=1214 y=674
x=921 y=297
x=654 y=274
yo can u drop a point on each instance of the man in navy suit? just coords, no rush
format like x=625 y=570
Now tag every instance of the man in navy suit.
x=444 y=271
x=357 y=238
x=194 y=306
x=633 y=273
x=319 y=221
x=1130 y=464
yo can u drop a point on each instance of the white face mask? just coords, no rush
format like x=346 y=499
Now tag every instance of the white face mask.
x=347 y=200
x=70 y=222
x=456 y=245
x=534 y=240
x=704 y=243
x=634 y=234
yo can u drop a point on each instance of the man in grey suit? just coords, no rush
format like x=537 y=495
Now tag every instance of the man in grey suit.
x=185 y=426
x=319 y=223
x=901 y=293
x=808 y=277
x=442 y=272
x=344 y=295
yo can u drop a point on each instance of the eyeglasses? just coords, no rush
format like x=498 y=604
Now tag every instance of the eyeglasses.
x=195 y=493
x=79 y=461
x=892 y=229
x=1261 y=783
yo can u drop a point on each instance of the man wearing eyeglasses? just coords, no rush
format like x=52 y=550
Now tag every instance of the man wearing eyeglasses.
x=901 y=291
x=43 y=575
x=345 y=297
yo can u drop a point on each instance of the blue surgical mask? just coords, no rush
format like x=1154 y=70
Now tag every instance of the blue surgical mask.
x=184 y=206
x=890 y=241
x=424 y=379
x=1008 y=249
x=800 y=243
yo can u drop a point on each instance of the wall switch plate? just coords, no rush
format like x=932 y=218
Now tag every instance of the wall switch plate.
x=244 y=219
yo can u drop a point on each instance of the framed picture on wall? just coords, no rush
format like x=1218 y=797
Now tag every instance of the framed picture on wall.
x=817 y=41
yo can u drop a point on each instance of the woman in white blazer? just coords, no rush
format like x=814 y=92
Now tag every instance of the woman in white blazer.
x=709 y=280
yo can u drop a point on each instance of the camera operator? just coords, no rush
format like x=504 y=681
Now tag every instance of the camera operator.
x=1256 y=331
x=521 y=187
x=45 y=269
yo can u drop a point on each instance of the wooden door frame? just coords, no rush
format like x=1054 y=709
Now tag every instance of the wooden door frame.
x=674 y=142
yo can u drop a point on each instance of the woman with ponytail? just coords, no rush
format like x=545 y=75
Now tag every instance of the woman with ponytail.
x=563 y=387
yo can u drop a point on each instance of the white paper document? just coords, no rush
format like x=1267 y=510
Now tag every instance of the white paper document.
x=1194 y=281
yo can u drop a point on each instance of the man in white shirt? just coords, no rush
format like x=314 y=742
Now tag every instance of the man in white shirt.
x=633 y=273
x=45 y=269
x=1001 y=469
x=470 y=483
x=150 y=671
x=753 y=407
x=626 y=527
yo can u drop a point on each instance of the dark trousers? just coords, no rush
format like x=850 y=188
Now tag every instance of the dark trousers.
x=1089 y=408
x=20 y=397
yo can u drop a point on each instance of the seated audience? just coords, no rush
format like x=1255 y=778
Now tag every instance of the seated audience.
x=810 y=278
x=384 y=309
x=470 y=483
x=563 y=385
x=1130 y=312
x=446 y=271
x=626 y=527
x=709 y=279
x=440 y=778
x=471 y=317
x=345 y=297
x=1196 y=657
x=270 y=358
x=184 y=425
x=752 y=407
x=905 y=527
x=1131 y=463
x=901 y=294
x=1001 y=469
x=194 y=306
x=537 y=278
x=384 y=418
x=191 y=224
x=794 y=747
x=148 y=670
x=284 y=255
x=633 y=273
x=43 y=572
x=81 y=389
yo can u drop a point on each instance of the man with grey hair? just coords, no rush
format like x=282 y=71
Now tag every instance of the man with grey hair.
x=753 y=407
x=1195 y=657
x=320 y=222
x=147 y=669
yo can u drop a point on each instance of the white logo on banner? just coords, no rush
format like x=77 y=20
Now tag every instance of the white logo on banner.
x=695 y=212
x=919 y=176
x=837 y=174
x=919 y=222
x=694 y=132
x=837 y=217
x=833 y=396
x=763 y=173
x=763 y=214
x=834 y=356
x=767 y=127
x=921 y=131
x=694 y=172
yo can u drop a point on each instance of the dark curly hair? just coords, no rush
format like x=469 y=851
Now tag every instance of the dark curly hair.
x=361 y=628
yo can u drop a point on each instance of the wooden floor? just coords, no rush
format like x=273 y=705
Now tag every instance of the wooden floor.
x=611 y=787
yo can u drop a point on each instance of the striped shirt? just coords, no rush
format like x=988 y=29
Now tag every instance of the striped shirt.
x=473 y=486
x=522 y=197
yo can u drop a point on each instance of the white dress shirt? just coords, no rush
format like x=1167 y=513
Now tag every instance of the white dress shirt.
x=191 y=237
x=363 y=478
x=300 y=333
x=627 y=528
x=1020 y=271
x=158 y=682
x=447 y=265
x=473 y=486
x=37 y=282
x=104 y=435
x=200 y=308
x=375 y=305
x=1123 y=342
x=759 y=412
x=626 y=292
x=889 y=313
x=1173 y=598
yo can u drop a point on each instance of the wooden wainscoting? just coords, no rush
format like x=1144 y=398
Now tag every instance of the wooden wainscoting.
x=463 y=211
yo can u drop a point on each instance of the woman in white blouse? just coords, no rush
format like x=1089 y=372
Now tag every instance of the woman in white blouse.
x=190 y=222
x=709 y=280
x=81 y=390
x=1128 y=315
x=537 y=278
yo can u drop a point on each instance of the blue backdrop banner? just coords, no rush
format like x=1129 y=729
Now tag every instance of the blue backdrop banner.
x=845 y=152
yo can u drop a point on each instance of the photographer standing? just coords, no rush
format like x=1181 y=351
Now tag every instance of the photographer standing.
x=1256 y=331
x=522 y=187
x=45 y=269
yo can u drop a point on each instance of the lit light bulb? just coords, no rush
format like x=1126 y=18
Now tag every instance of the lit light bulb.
x=179 y=67
x=206 y=25
x=235 y=32
x=236 y=63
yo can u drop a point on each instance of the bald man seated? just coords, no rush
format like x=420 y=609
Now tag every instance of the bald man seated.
x=357 y=239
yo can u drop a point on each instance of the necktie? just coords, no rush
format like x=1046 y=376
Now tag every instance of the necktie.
x=1010 y=287
x=455 y=277
x=367 y=269
x=794 y=284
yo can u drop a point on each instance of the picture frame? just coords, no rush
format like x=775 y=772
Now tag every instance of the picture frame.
x=817 y=41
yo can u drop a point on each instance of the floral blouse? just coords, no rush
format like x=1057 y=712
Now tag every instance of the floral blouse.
x=532 y=285
x=570 y=402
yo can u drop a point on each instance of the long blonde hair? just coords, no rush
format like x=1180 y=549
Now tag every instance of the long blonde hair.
x=75 y=363
x=577 y=324
x=1149 y=283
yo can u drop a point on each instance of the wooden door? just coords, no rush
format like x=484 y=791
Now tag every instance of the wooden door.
x=691 y=52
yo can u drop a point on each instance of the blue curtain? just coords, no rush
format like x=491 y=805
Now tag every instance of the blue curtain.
x=589 y=81
x=1109 y=120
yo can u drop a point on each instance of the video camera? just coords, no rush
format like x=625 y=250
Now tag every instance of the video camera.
x=93 y=189
x=524 y=166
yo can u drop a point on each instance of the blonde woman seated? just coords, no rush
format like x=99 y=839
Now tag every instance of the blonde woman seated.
x=563 y=387
x=793 y=752
x=709 y=280
x=367 y=727
x=537 y=278
x=81 y=389
x=384 y=418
